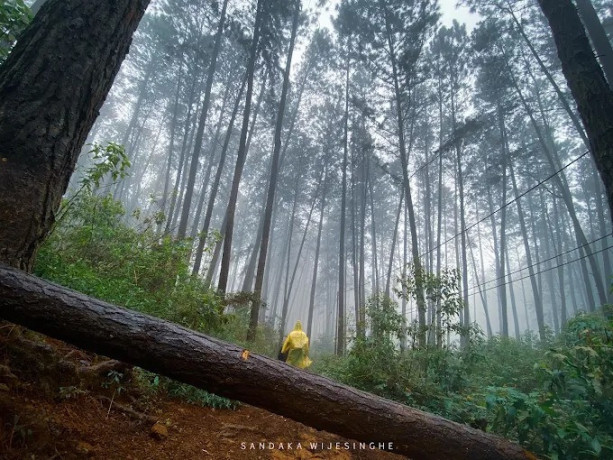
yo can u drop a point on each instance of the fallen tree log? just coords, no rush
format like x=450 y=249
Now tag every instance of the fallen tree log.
x=226 y=370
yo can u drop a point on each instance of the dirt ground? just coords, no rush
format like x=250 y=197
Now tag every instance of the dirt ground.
x=49 y=411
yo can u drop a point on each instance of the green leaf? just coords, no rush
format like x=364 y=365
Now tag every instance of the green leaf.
x=596 y=446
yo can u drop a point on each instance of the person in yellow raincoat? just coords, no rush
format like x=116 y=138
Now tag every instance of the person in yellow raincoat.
x=296 y=347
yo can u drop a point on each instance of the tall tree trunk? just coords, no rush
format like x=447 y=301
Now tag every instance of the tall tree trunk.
x=322 y=207
x=551 y=80
x=536 y=294
x=388 y=281
x=171 y=147
x=420 y=298
x=482 y=294
x=587 y=83
x=340 y=325
x=598 y=36
x=215 y=186
x=548 y=230
x=558 y=241
x=212 y=157
x=509 y=280
x=47 y=107
x=181 y=166
x=241 y=156
x=373 y=228
x=272 y=185
x=462 y=211
x=193 y=169
x=503 y=224
x=560 y=181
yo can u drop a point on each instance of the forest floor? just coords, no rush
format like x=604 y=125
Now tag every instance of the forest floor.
x=57 y=402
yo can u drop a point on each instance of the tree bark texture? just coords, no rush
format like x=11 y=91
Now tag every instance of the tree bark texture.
x=587 y=83
x=51 y=89
x=227 y=370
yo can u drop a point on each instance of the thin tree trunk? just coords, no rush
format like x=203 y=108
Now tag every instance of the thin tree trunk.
x=421 y=302
x=558 y=240
x=181 y=166
x=204 y=233
x=241 y=156
x=560 y=182
x=340 y=325
x=536 y=294
x=388 y=281
x=171 y=147
x=193 y=169
x=272 y=185
x=503 y=224
x=322 y=207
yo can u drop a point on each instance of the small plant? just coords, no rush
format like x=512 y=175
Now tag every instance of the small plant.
x=71 y=392
x=114 y=381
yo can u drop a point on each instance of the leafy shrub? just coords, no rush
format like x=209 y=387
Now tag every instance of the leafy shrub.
x=93 y=251
x=154 y=384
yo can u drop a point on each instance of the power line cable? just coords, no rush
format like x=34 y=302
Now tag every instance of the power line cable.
x=539 y=272
x=540 y=262
x=505 y=205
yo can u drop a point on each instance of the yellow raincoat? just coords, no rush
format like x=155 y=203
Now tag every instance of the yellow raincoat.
x=296 y=346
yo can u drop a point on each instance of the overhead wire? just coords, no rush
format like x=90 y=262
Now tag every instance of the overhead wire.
x=539 y=272
x=540 y=262
x=505 y=205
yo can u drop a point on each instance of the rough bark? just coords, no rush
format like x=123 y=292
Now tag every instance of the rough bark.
x=52 y=86
x=226 y=370
x=598 y=36
x=587 y=83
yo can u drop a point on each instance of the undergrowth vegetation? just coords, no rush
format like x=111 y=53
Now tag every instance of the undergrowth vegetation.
x=554 y=397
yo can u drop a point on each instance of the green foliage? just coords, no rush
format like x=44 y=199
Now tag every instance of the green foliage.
x=442 y=293
x=555 y=397
x=157 y=385
x=234 y=329
x=14 y=17
x=199 y=397
x=93 y=251
x=109 y=160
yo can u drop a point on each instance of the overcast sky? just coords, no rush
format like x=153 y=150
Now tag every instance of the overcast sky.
x=462 y=14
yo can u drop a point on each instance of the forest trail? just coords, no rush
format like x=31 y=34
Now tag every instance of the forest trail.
x=45 y=413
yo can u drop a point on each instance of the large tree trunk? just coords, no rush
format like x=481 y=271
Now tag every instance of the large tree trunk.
x=598 y=35
x=229 y=371
x=587 y=83
x=47 y=107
